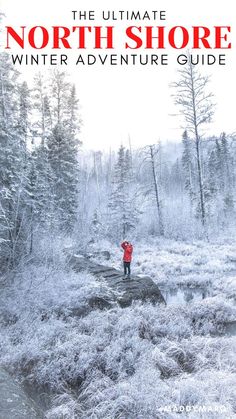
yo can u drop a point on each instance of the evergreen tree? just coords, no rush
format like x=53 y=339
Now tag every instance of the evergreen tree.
x=62 y=146
x=62 y=152
x=42 y=177
x=226 y=163
x=213 y=186
x=61 y=94
x=12 y=165
x=96 y=228
x=188 y=166
x=24 y=113
x=219 y=186
x=42 y=110
x=123 y=213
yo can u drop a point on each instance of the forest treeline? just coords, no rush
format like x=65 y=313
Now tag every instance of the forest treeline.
x=51 y=186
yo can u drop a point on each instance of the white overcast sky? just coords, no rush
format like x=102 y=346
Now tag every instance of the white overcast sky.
x=117 y=102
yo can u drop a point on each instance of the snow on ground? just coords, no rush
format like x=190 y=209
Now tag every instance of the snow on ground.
x=174 y=263
x=125 y=363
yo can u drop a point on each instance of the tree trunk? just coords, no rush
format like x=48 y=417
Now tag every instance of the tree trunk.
x=202 y=203
x=160 y=223
x=197 y=140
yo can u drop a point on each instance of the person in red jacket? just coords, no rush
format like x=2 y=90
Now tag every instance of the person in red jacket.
x=128 y=250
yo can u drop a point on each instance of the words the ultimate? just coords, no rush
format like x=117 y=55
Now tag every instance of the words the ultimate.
x=120 y=15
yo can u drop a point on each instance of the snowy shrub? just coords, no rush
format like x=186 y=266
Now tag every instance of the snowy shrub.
x=119 y=363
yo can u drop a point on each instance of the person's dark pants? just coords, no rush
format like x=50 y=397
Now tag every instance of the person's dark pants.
x=127 y=268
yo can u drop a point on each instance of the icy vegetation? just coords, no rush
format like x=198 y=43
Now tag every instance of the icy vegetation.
x=132 y=362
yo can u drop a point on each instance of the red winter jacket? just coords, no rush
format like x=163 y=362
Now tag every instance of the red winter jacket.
x=128 y=250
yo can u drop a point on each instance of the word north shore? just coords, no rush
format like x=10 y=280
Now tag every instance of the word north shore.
x=105 y=37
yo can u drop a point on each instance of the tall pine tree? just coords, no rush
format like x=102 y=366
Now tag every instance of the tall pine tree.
x=123 y=212
x=63 y=147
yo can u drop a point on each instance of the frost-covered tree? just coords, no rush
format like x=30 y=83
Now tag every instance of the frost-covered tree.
x=197 y=109
x=39 y=166
x=153 y=189
x=62 y=154
x=188 y=165
x=60 y=96
x=219 y=190
x=226 y=163
x=42 y=123
x=62 y=148
x=122 y=208
x=42 y=177
x=96 y=227
x=24 y=124
x=12 y=165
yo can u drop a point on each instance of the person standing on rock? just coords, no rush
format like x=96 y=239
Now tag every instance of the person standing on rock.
x=128 y=250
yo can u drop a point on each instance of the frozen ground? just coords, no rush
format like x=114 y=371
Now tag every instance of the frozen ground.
x=172 y=263
x=134 y=363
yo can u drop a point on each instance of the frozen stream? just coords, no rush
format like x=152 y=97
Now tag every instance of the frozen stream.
x=230 y=329
x=183 y=295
